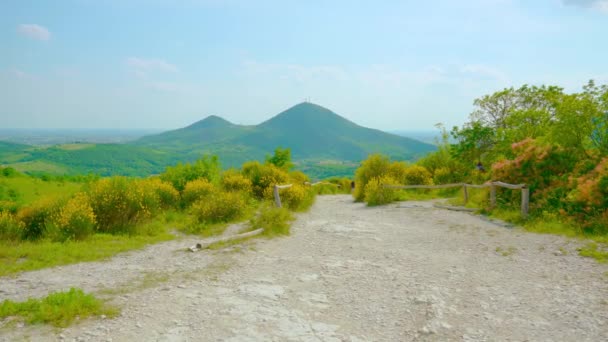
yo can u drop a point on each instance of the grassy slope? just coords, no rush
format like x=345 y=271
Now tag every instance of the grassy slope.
x=23 y=189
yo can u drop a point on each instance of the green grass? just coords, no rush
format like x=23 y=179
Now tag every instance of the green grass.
x=28 y=189
x=28 y=256
x=59 y=309
x=275 y=221
x=39 y=166
x=593 y=250
x=74 y=147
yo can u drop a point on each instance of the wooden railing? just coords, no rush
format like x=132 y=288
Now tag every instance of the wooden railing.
x=277 y=197
x=525 y=191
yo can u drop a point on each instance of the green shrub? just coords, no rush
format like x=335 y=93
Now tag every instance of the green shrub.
x=274 y=221
x=222 y=207
x=76 y=220
x=443 y=175
x=11 y=229
x=196 y=190
x=377 y=194
x=179 y=175
x=8 y=172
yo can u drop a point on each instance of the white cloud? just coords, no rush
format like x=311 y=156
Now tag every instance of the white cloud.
x=484 y=71
x=601 y=5
x=142 y=65
x=34 y=31
x=297 y=72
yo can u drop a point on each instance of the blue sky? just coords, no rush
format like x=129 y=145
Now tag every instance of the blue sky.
x=392 y=65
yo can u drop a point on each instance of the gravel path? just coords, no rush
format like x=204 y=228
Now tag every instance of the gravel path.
x=403 y=272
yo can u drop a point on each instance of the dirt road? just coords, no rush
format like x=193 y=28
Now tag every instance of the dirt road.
x=403 y=272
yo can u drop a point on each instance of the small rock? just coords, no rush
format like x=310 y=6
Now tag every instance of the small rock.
x=138 y=325
x=181 y=286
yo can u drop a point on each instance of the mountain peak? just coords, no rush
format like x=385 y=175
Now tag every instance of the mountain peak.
x=306 y=114
x=212 y=121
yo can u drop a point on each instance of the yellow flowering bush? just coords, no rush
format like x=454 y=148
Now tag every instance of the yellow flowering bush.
x=37 y=217
x=234 y=181
x=223 y=207
x=376 y=165
x=264 y=178
x=76 y=219
x=297 y=197
x=377 y=194
x=298 y=177
x=10 y=228
x=417 y=175
x=162 y=192
x=196 y=190
x=119 y=203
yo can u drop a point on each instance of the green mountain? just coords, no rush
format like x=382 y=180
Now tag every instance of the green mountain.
x=311 y=132
x=322 y=143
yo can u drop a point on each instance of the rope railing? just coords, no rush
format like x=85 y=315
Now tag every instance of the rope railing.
x=525 y=191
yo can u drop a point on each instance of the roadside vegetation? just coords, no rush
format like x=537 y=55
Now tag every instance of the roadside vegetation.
x=49 y=222
x=58 y=308
x=554 y=142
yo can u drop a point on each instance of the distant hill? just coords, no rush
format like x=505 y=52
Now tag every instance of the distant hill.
x=322 y=143
x=311 y=132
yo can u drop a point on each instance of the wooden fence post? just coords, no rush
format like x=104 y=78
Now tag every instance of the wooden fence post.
x=492 y=196
x=466 y=193
x=525 y=201
x=277 y=198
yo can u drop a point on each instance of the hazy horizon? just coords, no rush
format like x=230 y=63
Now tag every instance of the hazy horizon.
x=395 y=65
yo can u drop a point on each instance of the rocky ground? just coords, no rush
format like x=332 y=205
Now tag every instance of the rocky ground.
x=403 y=272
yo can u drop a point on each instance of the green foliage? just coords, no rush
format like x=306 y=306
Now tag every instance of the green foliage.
x=473 y=142
x=592 y=250
x=8 y=172
x=59 y=309
x=208 y=168
x=223 y=207
x=281 y=159
x=274 y=221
